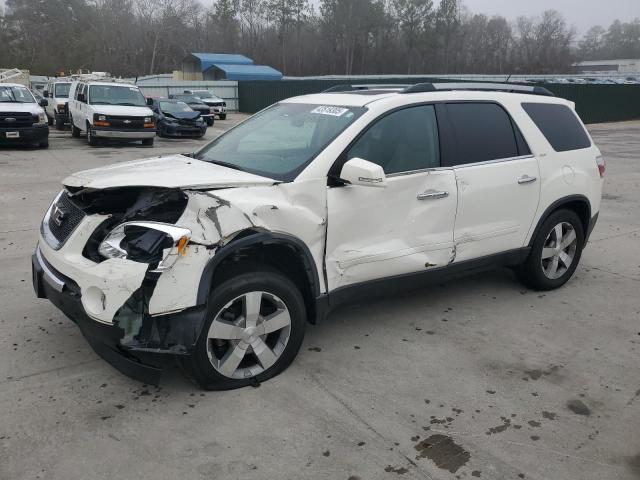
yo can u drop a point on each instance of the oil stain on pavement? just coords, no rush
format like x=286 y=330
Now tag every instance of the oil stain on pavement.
x=443 y=451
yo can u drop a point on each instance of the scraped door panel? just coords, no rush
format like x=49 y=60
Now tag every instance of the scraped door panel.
x=382 y=232
x=497 y=203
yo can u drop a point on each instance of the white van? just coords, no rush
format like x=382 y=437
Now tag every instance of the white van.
x=57 y=93
x=110 y=110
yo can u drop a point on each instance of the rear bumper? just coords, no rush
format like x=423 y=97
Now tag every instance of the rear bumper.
x=65 y=294
x=25 y=134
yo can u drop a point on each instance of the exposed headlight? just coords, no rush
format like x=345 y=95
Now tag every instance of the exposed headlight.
x=146 y=242
x=101 y=118
x=42 y=119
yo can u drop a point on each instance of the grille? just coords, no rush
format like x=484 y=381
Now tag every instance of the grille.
x=126 y=123
x=186 y=121
x=21 y=119
x=71 y=218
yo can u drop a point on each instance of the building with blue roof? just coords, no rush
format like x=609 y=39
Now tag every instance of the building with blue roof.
x=225 y=66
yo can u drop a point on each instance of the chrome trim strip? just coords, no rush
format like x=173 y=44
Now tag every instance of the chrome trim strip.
x=464 y=165
x=49 y=276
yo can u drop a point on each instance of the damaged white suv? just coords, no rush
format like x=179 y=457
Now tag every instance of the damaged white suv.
x=220 y=258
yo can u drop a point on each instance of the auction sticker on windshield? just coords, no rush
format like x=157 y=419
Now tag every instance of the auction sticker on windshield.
x=333 y=111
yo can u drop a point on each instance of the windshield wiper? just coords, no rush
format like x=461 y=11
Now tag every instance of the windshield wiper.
x=226 y=164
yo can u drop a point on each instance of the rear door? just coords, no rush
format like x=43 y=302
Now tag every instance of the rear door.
x=497 y=178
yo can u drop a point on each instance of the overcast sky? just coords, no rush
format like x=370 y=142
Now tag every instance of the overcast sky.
x=581 y=13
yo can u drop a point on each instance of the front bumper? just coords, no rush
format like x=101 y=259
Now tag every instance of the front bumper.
x=124 y=134
x=184 y=130
x=65 y=294
x=33 y=134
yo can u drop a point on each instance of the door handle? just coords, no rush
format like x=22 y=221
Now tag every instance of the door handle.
x=432 y=195
x=526 y=179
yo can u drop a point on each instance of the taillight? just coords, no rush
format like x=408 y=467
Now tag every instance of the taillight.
x=601 y=165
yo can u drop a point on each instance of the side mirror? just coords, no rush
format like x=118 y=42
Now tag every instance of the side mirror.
x=81 y=98
x=358 y=171
x=45 y=94
x=43 y=102
x=150 y=102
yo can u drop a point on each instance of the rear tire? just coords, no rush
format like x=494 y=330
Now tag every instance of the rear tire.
x=59 y=123
x=555 y=253
x=271 y=297
x=49 y=120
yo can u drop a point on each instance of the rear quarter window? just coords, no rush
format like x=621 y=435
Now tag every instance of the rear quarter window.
x=560 y=126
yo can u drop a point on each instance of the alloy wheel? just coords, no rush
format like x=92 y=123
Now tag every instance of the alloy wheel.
x=559 y=250
x=248 y=335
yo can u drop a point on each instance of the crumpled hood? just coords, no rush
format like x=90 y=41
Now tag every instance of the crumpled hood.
x=182 y=115
x=175 y=171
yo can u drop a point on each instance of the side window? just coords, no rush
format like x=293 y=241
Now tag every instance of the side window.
x=481 y=132
x=402 y=141
x=559 y=124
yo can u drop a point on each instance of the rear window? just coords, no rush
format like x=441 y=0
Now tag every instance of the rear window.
x=560 y=126
x=483 y=132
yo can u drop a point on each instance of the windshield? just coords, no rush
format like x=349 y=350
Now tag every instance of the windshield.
x=116 y=95
x=62 y=90
x=175 y=107
x=207 y=94
x=188 y=98
x=15 y=95
x=280 y=141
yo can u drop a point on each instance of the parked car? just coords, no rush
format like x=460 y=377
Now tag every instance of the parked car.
x=198 y=105
x=217 y=104
x=177 y=119
x=57 y=91
x=110 y=110
x=22 y=118
x=223 y=256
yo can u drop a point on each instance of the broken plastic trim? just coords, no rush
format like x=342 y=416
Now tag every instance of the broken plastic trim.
x=146 y=242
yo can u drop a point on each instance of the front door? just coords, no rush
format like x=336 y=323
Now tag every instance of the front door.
x=405 y=227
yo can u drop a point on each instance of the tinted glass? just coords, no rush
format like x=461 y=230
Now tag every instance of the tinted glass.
x=402 y=141
x=559 y=124
x=482 y=132
x=281 y=140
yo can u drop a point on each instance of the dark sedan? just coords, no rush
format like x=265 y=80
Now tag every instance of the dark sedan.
x=177 y=119
x=197 y=104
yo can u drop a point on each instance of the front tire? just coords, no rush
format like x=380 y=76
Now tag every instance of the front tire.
x=210 y=122
x=223 y=116
x=91 y=139
x=148 y=142
x=555 y=253
x=59 y=123
x=253 y=331
x=75 y=131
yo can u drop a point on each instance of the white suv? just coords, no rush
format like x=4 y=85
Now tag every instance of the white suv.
x=110 y=110
x=222 y=257
x=57 y=93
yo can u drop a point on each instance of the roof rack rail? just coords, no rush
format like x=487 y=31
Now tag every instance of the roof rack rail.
x=373 y=86
x=492 y=87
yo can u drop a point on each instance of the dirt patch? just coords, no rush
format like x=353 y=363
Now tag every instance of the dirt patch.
x=442 y=451
x=578 y=407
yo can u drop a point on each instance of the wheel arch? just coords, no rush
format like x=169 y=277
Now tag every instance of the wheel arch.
x=285 y=253
x=576 y=203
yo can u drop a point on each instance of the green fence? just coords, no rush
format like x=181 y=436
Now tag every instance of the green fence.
x=594 y=103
